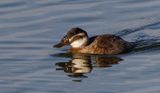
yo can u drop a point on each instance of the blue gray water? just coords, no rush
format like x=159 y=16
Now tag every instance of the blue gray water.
x=29 y=64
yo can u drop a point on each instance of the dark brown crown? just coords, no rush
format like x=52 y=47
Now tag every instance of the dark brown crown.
x=75 y=31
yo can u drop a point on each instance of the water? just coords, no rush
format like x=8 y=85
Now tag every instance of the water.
x=29 y=64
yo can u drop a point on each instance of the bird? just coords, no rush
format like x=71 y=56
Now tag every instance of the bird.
x=80 y=42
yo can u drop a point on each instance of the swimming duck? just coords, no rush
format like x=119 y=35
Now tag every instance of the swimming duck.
x=99 y=44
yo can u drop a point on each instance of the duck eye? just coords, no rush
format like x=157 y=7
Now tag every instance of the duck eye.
x=65 y=38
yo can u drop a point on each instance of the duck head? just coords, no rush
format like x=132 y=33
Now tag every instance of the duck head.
x=76 y=37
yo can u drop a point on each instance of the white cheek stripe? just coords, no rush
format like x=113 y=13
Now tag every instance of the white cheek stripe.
x=79 y=43
x=80 y=34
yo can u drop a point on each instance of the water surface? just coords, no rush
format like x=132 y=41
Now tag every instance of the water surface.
x=29 y=64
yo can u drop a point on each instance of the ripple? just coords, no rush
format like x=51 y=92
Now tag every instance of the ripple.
x=137 y=4
x=40 y=15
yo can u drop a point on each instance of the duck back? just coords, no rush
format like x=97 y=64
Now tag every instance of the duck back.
x=106 y=44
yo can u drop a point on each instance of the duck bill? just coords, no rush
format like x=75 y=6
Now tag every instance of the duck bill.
x=59 y=45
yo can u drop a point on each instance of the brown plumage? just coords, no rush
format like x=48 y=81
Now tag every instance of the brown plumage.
x=100 y=44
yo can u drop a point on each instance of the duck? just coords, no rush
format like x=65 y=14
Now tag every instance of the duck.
x=80 y=42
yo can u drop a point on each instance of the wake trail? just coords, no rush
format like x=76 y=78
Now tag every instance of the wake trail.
x=129 y=31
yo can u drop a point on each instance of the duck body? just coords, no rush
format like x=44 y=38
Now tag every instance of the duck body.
x=100 y=44
x=104 y=44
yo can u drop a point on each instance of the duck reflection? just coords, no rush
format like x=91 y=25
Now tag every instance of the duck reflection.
x=77 y=66
x=81 y=64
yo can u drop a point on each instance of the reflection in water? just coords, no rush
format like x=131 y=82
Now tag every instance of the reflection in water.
x=81 y=64
x=106 y=61
x=76 y=67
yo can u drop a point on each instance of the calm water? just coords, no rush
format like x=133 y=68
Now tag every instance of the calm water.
x=29 y=64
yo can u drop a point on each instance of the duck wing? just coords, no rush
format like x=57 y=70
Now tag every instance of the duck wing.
x=108 y=41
